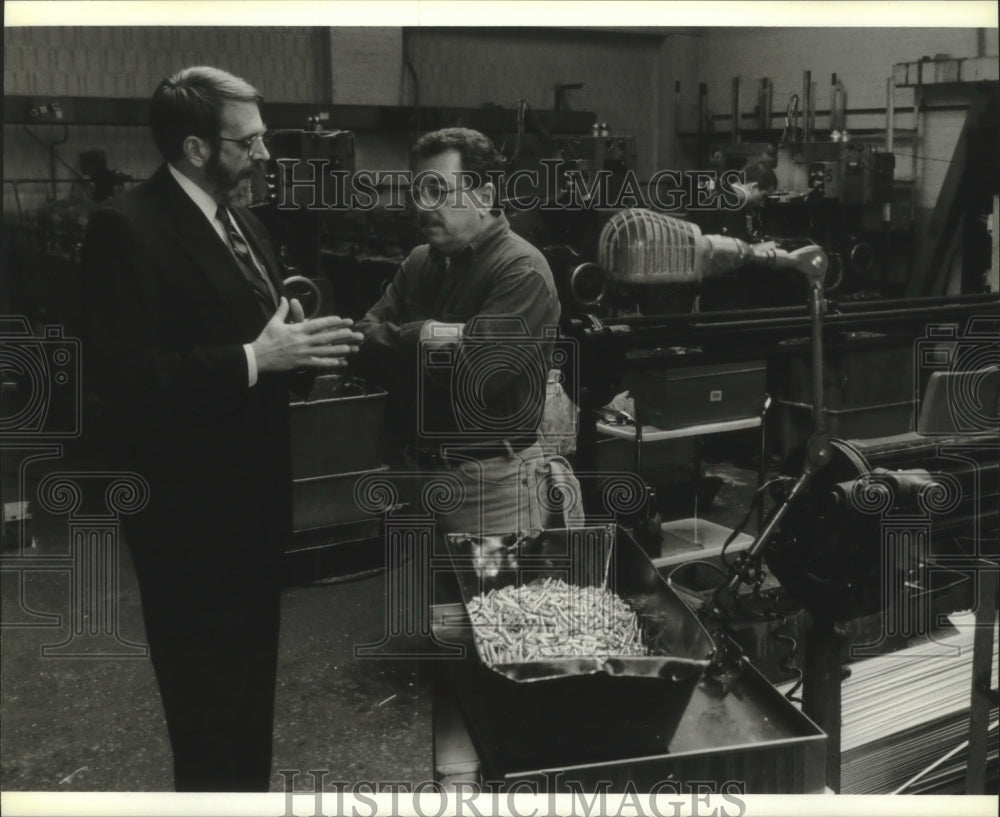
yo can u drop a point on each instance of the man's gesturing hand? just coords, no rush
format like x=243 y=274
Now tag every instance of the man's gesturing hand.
x=321 y=342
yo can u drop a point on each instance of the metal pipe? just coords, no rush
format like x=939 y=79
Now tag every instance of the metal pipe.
x=983 y=658
x=818 y=450
x=677 y=107
x=918 y=101
x=890 y=114
x=890 y=140
x=834 y=124
x=807 y=103
x=702 y=108
x=764 y=104
x=791 y=317
x=762 y=461
x=817 y=307
x=943 y=759
x=17 y=201
x=735 y=110
x=822 y=675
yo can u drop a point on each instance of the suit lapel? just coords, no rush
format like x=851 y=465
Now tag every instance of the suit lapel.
x=211 y=256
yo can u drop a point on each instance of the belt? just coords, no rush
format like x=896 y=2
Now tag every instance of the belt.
x=482 y=451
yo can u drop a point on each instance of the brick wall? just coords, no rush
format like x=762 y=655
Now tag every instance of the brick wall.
x=129 y=62
x=366 y=65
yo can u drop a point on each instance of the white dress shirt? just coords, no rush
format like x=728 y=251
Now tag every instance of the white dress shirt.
x=210 y=207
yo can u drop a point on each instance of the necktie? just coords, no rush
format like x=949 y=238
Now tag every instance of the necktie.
x=262 y=286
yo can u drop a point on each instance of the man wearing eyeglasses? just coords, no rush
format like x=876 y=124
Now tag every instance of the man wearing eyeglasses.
x=463 y=337
x=194 y=346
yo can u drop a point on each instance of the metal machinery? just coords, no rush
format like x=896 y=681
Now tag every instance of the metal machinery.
x=628 y=280
x=295 y=191
x=876 y=510
x=302 y=194
x=857 y=527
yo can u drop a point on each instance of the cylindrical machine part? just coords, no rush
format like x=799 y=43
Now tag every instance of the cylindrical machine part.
x=845 y=541
x=807 y=103
x=862 y=256
x=735 y=110
x=838 y=119
x=702 y=108
x=588 y=284
x=764 y=104
x=677 y=107
x=640 y=246
x=308 y=293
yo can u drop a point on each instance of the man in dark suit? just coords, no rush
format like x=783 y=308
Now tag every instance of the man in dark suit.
x=191 y=342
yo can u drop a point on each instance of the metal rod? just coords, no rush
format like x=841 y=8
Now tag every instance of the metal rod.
x=702 y=108
x=790 y=317
x=677 y=107
x=813 y=264
x=736 y=110
x=890 y=139
x=817 y=307
x=822 y=700
x=918 y=98
x=983 y=659
x=764 y=104
x=807 y=103
x=762 y=461
x=729 y=589
x=944 y=758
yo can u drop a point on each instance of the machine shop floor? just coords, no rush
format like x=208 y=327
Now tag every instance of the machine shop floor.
x=96 y=724
x=84 y=725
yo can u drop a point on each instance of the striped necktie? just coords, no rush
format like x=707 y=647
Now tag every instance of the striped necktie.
x=262 y=286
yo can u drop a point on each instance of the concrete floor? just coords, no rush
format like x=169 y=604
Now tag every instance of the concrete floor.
x=74 y=724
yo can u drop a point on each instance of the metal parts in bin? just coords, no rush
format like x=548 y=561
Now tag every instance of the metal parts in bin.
x=335 y=438
x=747 y=732
x=584 y=708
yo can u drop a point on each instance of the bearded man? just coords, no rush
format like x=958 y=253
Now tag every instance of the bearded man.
x=192 y=343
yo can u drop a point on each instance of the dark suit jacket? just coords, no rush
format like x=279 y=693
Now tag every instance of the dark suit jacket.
x=167 y=312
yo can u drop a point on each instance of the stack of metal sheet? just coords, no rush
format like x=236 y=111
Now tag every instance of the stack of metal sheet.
x=904 y=711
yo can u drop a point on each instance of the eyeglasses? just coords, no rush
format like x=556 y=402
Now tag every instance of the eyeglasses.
x=431 y=194
x=248 y=142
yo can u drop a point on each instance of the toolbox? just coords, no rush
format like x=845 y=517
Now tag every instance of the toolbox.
x=696 y=395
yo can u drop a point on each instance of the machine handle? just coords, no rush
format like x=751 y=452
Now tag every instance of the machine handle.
x=311 y=299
